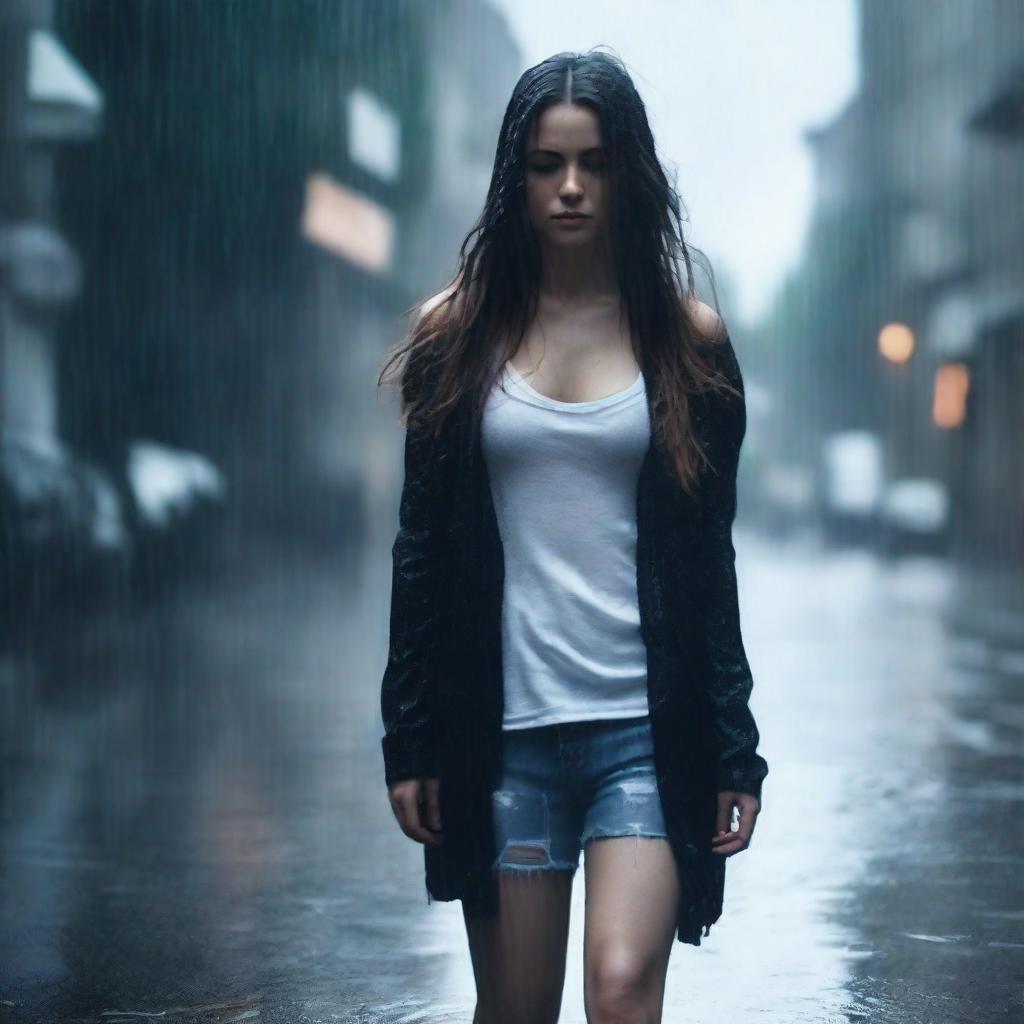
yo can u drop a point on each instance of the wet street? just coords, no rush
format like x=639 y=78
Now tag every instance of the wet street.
x=195 y=825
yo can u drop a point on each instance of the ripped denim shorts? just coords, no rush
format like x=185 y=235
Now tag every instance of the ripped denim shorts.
x=567 y=783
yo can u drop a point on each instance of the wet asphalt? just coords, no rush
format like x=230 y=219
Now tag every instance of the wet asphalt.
x=195 y=826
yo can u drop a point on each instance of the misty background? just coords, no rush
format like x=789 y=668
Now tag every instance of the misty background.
x=213 y=215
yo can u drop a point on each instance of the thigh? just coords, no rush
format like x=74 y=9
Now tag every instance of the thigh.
x=519 y=954
x=632 y=891
x=632 y=882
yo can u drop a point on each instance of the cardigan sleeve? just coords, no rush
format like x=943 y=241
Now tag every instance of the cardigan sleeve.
x=409 y=688
x=735 y=733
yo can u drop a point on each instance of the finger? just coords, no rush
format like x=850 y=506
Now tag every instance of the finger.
x=405 y=800
x=723 y=821
x=399 y=797
x=728 y=843
x=728 y=848
x=748 y=818
x=409 y=819
x=432 y=789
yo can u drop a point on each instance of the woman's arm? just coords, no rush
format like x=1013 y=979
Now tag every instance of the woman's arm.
x=736 y=737
x=409 y=687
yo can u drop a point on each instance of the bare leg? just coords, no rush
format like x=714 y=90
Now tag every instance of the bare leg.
x=519 y=955
x=632 y=891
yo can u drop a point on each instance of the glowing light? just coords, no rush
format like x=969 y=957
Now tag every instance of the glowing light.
x=348 y=223
x=896 y=342
x=952 y=382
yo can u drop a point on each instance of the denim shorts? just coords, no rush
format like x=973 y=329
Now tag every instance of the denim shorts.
x=570 y=782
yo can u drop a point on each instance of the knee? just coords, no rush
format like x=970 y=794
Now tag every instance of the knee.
x=621 y=987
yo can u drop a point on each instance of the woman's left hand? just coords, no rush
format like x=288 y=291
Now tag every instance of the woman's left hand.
x=725 y=841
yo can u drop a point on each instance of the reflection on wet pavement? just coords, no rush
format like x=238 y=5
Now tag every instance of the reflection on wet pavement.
x=195 y=825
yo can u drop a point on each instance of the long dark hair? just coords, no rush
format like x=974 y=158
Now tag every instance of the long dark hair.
x=460 y=341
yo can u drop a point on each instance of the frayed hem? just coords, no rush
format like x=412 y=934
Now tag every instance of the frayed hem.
x=623 y=835
x=506 y=868
x=637 y=835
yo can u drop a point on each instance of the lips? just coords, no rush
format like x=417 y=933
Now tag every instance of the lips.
x=570 y=216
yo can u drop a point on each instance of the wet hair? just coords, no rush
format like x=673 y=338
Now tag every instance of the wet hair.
x=460 y=340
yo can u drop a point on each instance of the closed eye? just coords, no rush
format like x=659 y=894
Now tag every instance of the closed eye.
x=593 y=165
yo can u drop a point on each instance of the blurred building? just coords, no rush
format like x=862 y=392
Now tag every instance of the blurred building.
x=907 y=316
x=48 y=101
x=54 y=506
x=418 y=148
x=212 y=218
x=275 y=184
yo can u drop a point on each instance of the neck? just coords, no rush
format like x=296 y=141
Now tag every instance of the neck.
x=573 y=277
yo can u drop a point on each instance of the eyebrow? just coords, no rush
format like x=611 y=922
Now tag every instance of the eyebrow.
x=555 y=152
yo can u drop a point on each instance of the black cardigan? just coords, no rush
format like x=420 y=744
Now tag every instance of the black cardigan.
x=441 y=693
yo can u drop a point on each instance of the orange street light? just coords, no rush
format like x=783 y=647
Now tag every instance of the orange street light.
x=896 y=342
x=952 y=381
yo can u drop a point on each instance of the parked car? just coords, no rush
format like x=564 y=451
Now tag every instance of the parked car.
x=74 y=534
x=63 y=534
x=850 y=485
x=175 y=501
x=914 y=516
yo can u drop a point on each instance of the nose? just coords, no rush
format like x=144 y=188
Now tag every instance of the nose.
x=571 y=184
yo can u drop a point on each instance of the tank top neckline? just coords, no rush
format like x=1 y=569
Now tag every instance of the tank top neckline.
x=530 y=394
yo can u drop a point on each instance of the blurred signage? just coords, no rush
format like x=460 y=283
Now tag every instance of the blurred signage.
x=348 y=224
x=374 y=135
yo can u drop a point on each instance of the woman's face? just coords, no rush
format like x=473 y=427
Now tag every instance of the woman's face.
x=566 y=172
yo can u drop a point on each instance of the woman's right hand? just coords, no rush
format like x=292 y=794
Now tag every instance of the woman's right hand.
x=417 y=809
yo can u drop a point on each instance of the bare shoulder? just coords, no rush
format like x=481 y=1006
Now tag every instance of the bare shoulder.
x=727 y=404
x=436 y=302
x=707 y=321
x=422 y=365
x=433 y=302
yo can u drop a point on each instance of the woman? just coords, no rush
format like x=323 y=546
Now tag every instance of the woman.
x=566 y=669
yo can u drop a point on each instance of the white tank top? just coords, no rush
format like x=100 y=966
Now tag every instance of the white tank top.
x=563 y=478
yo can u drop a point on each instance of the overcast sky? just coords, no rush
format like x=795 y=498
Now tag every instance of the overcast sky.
x=730 y=85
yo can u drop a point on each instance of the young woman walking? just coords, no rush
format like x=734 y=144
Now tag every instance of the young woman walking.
x=566 y=669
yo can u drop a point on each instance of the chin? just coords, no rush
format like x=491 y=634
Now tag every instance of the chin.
x=572 y=239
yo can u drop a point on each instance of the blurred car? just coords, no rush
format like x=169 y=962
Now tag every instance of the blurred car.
x=915 y=516
x=850 y=485
x=167 y=484
x=175 y=501
x=72 y=532
x=63 y=528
